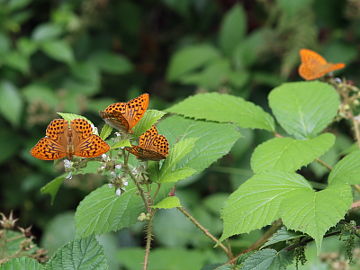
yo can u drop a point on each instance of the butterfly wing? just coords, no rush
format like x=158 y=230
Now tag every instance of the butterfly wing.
x=115 y=119
x=85 y=143
x=48 y=149
x=331 y=67
x=135 y=109
x=312 y=65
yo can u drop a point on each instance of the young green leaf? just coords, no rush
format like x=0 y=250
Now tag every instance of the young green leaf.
x=225 y=109
x=105 y=131
x=170 y=171
x=17 y=61
x=11 y=103
x=347 y=170
x=257 y=202
x=81 y=254
x=214 y=140
x=53 y=186
x=232 y=29
x=304 y=109
x=151 y=117
x=314 y=213
x=268 y=259
x=189 y=59
x=121 y=143
x=287 y=154
x=282 y=235
x=22 y=263
x=168 y=202
x=58 y=50
x=103 y=211
x=46 y=31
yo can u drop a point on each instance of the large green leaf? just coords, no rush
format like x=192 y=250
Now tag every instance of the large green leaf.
x=11 y=103
x=268 y=259
x=287 y=154
x=79 y=254
x=232 y=29
x=58 y=50
x=189 y=59
x=163 y=259
x=304 y=109
x=103 y=211
x=224 y=108
x=314 y=213
x=214 y=140
x=347 y=170
x=257 y=202
x=21 y=264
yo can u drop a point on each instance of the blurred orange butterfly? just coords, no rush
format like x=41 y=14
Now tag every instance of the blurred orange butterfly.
x=125 y=115
x=314 y=66
x=152 y=146
x=75 y=139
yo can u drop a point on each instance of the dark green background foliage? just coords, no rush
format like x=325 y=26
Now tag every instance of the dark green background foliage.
x=80 y=56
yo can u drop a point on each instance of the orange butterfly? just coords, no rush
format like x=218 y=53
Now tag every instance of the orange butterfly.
x=152 y=146
x=125 y=115
x=75 y=139
x=314 y=66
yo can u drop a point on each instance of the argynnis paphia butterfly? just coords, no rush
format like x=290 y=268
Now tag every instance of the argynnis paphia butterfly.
x=75 y=139
x=125 y=115
x=314 y=66
x=152 y=146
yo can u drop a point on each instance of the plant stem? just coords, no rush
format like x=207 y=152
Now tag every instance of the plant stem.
x=318 y=160
x=206 y=232
x=274 y=227
x=148 y=240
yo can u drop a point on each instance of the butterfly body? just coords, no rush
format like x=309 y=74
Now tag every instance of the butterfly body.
x=69 y=139
x=125 y=115
x=314 y=66
x=152 y=146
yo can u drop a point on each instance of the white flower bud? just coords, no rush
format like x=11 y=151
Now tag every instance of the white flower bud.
x=125 y=183
x=110 y=185
x=118 y=192
x=67 y=164
x=118 y=166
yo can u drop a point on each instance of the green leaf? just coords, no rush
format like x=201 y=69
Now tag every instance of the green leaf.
x=58 y=50
x=224 y=108
x=314 y=213
x=17 y=61
x=282 y=235
x=79 y=254
x=188 y=59
x=111 y=62
x=21 y=264
x=168 y=202
x=46 y=31
x=214 y=140
x=347 y=170
x=232 y=29
x=121 y=143
x=268 y=259
x=14 y=5
x=26 y=46
x=105 y=131
x=11 y=103
x=163 y=259
x=287 y=154
x=293 y=7
x=257 y=202
x=304 y=109
x=169 y=171
x=103 y=211
x=151 y=117
x=53 y=186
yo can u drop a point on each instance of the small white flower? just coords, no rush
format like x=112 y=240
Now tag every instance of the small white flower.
x=134 y=170
x=112 y=174
x=117 y=134
x=104 y=157
x=338 y=80
x=69 y=176
x=110 y=185
x=118 y=166
x=125 y=183
x=102 y=167
x=67 y=164
x=118 y=192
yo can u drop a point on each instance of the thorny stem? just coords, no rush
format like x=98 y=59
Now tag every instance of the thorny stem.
x=148 y=240
x=139 y=187
x=274 y=227
x=206 y=232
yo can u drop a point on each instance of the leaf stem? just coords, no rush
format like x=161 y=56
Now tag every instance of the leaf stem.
x=274 y=227
x=323 y=163
x=206 y=232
